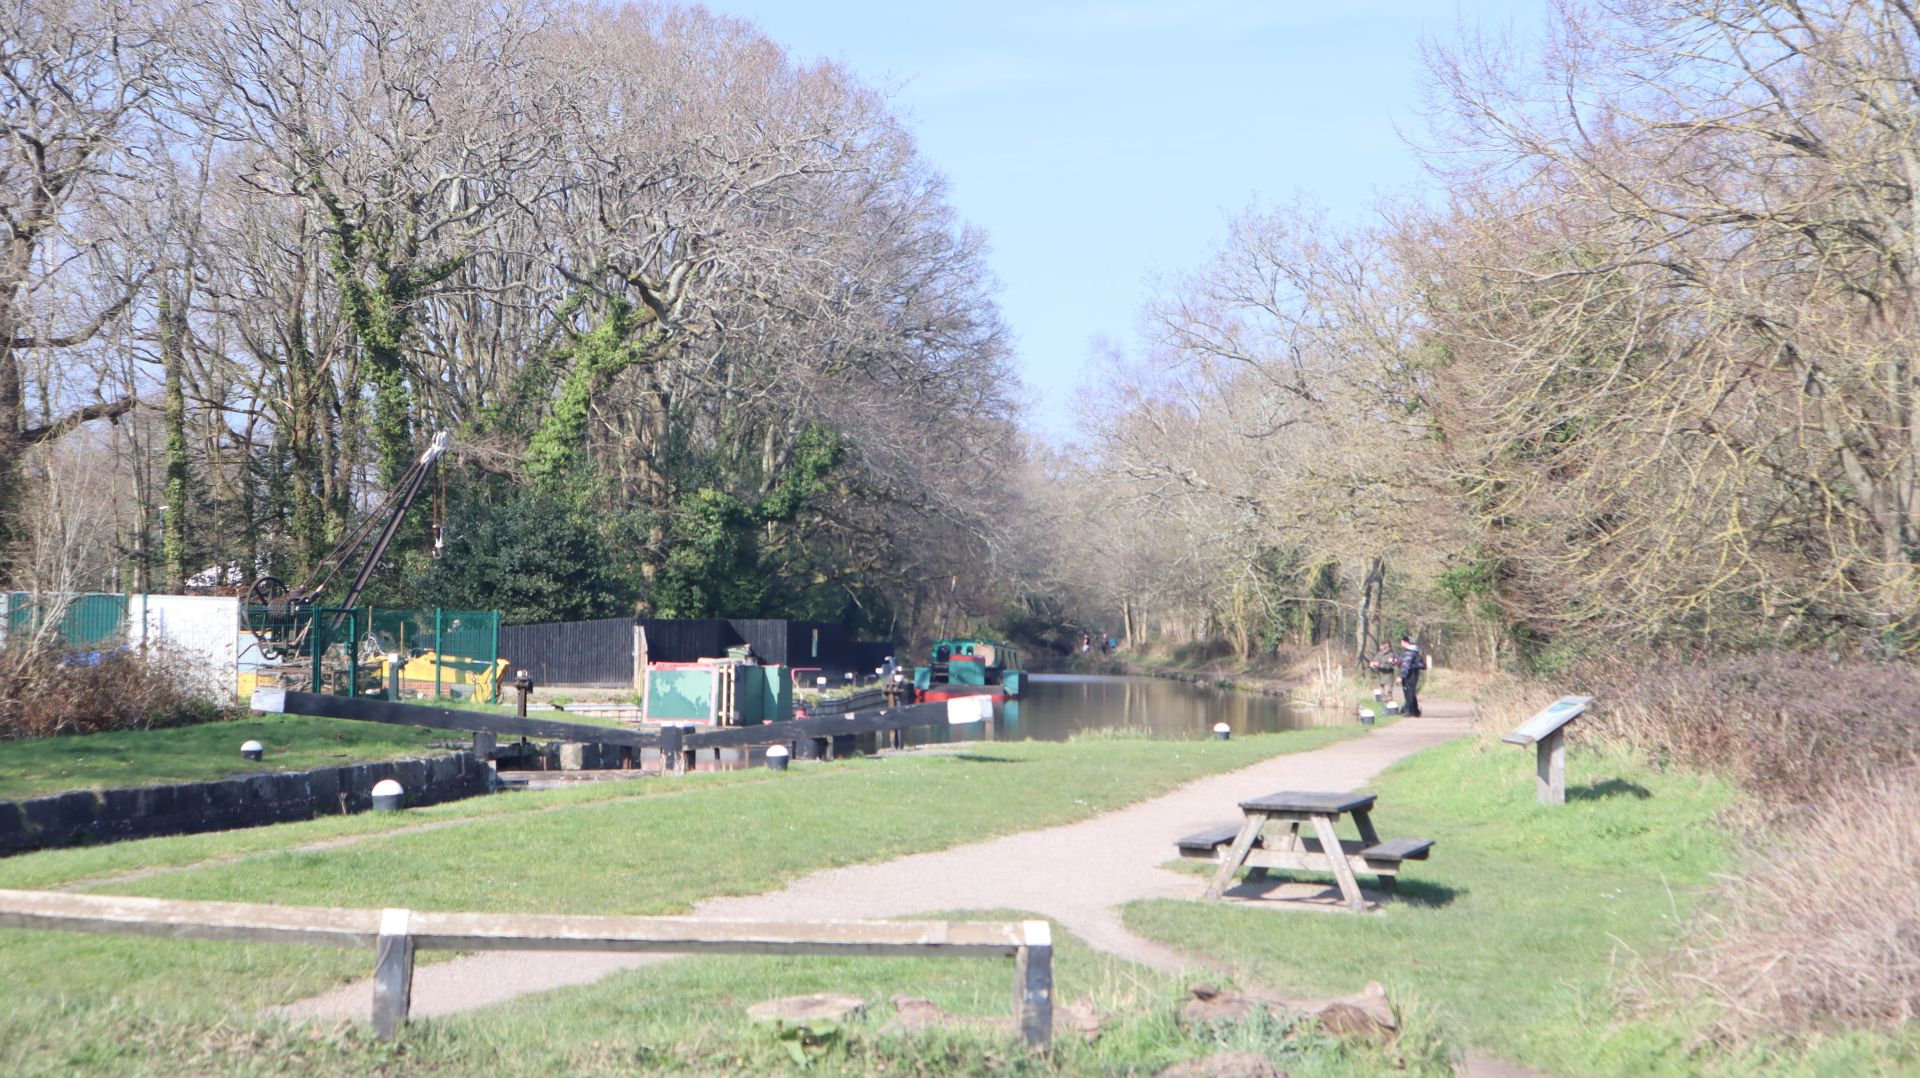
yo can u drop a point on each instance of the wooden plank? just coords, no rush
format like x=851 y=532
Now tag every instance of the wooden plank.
x=686 y=935
x=1400 y=849
x=441 y=718
x=1209 y=839
x=1033 y=986
x=1342 y=871
x=392 y=974
x=168 y=918
x=1363 y=819
x=1315 y=861
x=1236 y=854
x=1308 y=802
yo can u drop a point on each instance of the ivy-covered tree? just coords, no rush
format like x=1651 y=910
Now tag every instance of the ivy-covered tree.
x=526 y=556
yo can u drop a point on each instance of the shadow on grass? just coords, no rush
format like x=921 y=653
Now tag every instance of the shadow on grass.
x=982 y=758
x=1594 y=791
x=1283 y=888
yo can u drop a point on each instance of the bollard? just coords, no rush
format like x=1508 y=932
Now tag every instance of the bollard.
x=252 y=750
x=1366 y=716
x=388 y=796
x=1221 y=731
x=777 y=758
x=522 y=685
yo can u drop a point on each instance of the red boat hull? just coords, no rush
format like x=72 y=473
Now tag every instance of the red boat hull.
x=954 y=692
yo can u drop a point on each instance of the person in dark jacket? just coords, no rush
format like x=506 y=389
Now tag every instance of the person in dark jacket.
x=1412 y=662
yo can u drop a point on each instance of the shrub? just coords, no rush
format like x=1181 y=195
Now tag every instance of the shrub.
x=1788 y=727
x=1822 y=931
x=47 y=692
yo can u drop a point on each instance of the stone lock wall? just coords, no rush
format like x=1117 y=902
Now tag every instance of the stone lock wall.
x=84 y=816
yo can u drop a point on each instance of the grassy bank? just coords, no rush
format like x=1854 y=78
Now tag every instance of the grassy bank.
x=1520 y=936
x=197 y=753
x=202 y=753
x=105 y=1004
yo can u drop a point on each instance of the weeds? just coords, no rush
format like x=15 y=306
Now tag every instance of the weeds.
x=46 y=692
x=1822 y=931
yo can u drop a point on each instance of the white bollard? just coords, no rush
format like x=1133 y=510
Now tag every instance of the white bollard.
x=388 y=796
x=1221 y=731
x=252 y=750
x=777 y=758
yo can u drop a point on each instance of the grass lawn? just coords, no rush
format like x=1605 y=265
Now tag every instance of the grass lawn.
x=212 y=750
x=1517 y=936
x=198 y=753
x=104 y=1004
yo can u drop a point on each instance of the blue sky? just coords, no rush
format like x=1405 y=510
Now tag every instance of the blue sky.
x=1098 y=142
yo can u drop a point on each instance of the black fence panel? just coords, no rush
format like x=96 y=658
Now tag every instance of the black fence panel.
x=873 y=654
x=598 y=652
x=766 y=636
x=685 y=640
x=601 y=652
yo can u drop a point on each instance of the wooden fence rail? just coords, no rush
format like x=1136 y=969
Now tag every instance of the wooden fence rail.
x=395 y=934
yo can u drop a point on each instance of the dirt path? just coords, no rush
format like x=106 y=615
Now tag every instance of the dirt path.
x=1077 y=874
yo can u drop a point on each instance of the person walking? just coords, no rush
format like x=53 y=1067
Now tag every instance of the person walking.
x=1413 y=662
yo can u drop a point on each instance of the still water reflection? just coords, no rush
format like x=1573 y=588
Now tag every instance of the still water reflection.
x=1054 y=707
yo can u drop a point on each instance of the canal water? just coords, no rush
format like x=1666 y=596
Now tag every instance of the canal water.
x=1054 y=707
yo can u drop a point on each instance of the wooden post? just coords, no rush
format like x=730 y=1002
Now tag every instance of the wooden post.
x=1236 y=854
x=392 y=974
x=1337 y=860
x=484 y=742
x=1033 y=986
x=1550 y=765
x=639 y=659
x=671 y=739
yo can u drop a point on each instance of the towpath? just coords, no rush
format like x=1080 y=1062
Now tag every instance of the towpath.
x=1080 y=875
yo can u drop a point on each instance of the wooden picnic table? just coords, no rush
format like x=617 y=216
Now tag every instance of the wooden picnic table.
x=1250 y=845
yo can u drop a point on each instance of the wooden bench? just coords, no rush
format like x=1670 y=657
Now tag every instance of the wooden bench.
x=1252 y=845
x=395 y=934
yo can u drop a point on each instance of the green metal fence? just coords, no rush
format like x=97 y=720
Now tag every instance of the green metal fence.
x=86 y=621
x=430 y=651
x=395 y=653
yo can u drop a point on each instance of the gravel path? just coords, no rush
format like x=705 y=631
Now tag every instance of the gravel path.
x=1077 y=874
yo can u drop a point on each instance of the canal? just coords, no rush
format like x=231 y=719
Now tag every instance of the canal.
x=1054 y=707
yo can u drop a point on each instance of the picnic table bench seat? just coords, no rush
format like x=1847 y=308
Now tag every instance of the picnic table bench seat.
x=1208 y=845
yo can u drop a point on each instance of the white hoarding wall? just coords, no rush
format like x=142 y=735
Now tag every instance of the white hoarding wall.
x=202 y=630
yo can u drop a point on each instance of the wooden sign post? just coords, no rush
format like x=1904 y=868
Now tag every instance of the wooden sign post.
x=1547 y=733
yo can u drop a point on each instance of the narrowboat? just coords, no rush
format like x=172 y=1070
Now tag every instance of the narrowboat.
x=969 y=667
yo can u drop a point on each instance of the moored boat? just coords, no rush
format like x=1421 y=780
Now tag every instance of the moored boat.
x=969 y=667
